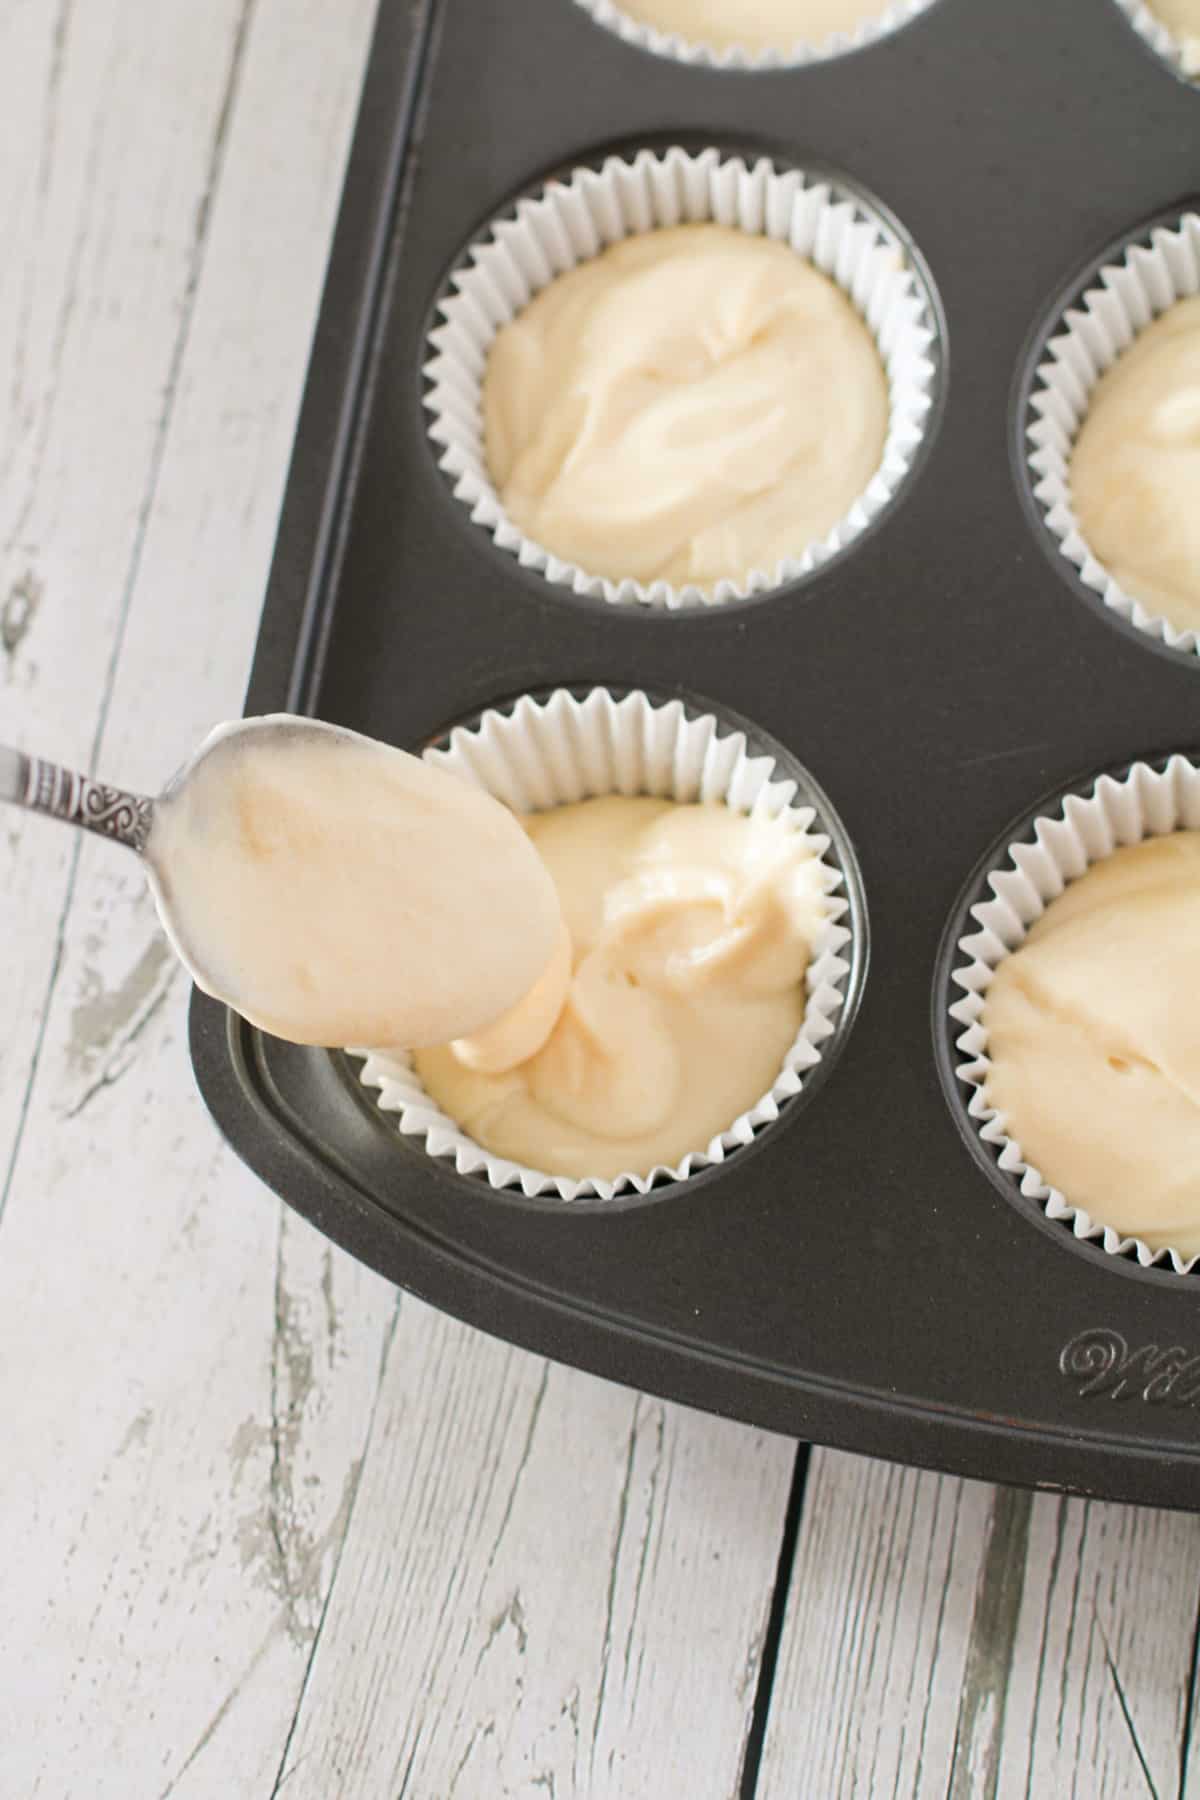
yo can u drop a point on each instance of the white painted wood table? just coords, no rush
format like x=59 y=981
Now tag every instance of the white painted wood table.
x=266 y=1527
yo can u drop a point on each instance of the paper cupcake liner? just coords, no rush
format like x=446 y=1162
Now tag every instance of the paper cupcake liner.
x=563 y=749
x=1058 y=848
x=686 y=50
x=1156 y=269
x=570 y=222
x=1182 y=54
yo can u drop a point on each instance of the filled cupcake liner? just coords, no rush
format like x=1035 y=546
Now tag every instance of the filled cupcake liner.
x=1059 y=847
x=1182 y=54
x=1155 y=271
x=553 y=752
x=687 y=50
x=571 y=221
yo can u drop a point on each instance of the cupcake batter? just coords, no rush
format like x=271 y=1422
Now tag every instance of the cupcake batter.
x=693 y=404
x=1182 y=20
x=692 y=929
x=1094 y=1040
x=755 y=24
x=336 y=891
x=1135 y=469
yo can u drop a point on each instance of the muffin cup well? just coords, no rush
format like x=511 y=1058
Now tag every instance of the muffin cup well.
x=564 y=748
x=1148 y=273
x=737 y=57
x=571 y=221
x=1180 y=54
x=1058 y=847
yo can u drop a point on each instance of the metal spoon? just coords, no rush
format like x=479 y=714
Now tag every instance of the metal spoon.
x=44 y=787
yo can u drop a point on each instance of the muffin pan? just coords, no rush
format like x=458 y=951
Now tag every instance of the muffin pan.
x=858 y=1273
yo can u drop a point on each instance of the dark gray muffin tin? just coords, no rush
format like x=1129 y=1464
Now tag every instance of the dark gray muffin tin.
x=854 y=1276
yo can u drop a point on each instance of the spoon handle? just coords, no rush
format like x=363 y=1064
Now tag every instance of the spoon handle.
x=43 y=787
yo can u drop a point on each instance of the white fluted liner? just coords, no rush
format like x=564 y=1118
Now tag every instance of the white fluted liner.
x=1059 y=848
x=1153 y=273
x=1183 y=54
x=838 y=43
x=564 y=749
x=570 y=222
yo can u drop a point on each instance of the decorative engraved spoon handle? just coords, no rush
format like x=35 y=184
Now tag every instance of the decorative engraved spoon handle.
x=76 y=799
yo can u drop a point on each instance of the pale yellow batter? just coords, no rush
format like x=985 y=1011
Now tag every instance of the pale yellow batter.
x=693 y=404
x=1182 y=20
x=692 y=929
x=1135 y=468
x=336 y=891
x=1094 y=1040
x=755 y=24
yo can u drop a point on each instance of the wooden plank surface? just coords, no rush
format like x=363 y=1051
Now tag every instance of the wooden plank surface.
x=550 y=1586
x=1100 y=1665
x=101 y=186
x=876 y=1634
x=186 y=1383
x=950 y=1638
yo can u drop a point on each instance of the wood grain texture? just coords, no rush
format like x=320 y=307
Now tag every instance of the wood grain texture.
x=186 y=1382
x=112 y=120
x=551 y=1586
x=948 y=1638
x=876 y=1632
x=1101 y=1659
